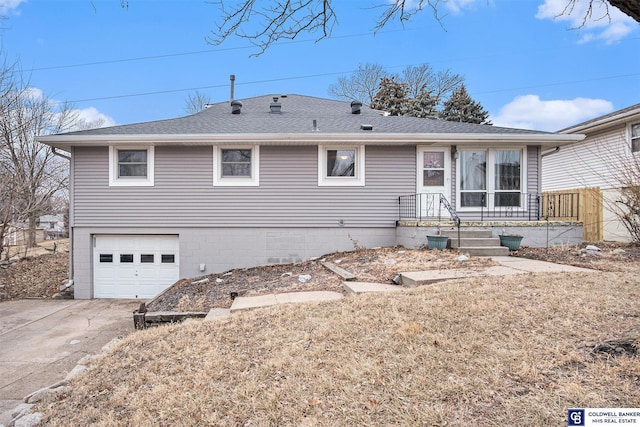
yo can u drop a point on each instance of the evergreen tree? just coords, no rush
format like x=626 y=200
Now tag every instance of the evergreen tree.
x=391 y=97
x=423 y=106
x=462 y=108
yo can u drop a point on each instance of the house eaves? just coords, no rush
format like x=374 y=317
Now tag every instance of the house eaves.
x=65 y=142
x=624 y=116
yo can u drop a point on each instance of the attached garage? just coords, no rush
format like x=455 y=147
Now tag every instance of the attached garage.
x=134 y=266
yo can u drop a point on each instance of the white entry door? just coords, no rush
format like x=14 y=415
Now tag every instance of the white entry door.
x=434 y=178
x=134 y=266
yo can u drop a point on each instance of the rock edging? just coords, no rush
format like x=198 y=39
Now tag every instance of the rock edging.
x=23 y=415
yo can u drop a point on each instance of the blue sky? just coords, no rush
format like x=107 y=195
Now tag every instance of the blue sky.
x=526 y=67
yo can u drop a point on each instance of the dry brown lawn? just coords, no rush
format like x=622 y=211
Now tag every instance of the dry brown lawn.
x=491 y=351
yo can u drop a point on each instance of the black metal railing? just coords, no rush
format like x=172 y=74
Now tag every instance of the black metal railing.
x=452 y=213
x=421 y=206
x=485 y=205
x=506 y=205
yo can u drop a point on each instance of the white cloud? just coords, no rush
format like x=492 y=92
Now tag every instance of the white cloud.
x=86 y=118
x=93 y=118
x=530 y=112
x=456 y=6
x=597 y=26
x=9 y=5
x=33 y=93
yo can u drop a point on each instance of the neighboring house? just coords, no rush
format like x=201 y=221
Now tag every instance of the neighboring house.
x=53 y=226
x=611 y=146
x=279 y=179
x=18 y=235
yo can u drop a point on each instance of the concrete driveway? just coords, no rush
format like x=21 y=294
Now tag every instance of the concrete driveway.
x=41 y=341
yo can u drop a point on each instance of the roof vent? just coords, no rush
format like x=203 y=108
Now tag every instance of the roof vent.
x=315 y=126
x=275 y=106
x=236 y=106
x=355 y=107
x=366 y=127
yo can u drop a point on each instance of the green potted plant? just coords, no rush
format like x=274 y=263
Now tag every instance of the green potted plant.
x=437 y=241
x=511 y=241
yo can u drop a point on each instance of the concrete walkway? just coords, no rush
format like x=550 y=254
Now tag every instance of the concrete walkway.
x=507 y=266
x=41 y=341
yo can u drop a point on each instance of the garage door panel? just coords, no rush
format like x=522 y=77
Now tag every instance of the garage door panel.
x=134 y=266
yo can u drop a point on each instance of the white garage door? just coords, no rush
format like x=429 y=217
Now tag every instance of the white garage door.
x=134 y=266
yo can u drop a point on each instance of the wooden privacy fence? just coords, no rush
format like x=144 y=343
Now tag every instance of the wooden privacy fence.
x=586 y=201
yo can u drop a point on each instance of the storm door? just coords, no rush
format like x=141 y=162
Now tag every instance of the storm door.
x=434 y=179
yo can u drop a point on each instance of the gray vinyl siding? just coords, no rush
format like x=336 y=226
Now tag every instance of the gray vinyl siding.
x=588 y=163
x=288 y=196
x=533 y=169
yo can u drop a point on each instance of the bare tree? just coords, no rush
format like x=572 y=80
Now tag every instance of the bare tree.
x=196 y=102
x=278 y=20
x=362 y=85
x=423 y=78
x=33 y=174
x=624 y=170
x=628 y=7
x=419 y=81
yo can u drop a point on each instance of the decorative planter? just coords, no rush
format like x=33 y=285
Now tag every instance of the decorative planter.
x=512 y=242
x=437 y=242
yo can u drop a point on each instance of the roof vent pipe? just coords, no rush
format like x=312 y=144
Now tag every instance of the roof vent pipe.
x=315 y=126
x=232 y=78
x=275 y=106
x=236 y=106
x=355 y=107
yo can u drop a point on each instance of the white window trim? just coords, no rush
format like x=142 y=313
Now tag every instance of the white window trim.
x=630 y=136
x=341 y=181
x=220 y=181
x=116 y=181
x=490 y=175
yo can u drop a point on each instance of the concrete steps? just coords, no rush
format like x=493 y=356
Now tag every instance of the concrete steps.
x=476 y=242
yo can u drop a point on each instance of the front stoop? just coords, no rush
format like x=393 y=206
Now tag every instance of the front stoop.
x=477 y=243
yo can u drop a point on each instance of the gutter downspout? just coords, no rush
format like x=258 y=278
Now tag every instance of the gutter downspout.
x=69 y=283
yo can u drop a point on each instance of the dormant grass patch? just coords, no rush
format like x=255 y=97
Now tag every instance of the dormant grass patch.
x=485 y=351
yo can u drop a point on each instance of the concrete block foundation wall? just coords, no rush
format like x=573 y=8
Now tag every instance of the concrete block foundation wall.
x=222 y=249
x=537 y=234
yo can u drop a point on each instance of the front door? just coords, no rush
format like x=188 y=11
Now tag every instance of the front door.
x=434 y=179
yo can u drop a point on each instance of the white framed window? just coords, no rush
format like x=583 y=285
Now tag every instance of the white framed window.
x=341 y=166
x=131 y=166
x=236 y=166
x=634 y=132
x=491 y=178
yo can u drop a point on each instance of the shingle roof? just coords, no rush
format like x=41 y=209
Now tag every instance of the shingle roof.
x=297 y=115
x=600 y=119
